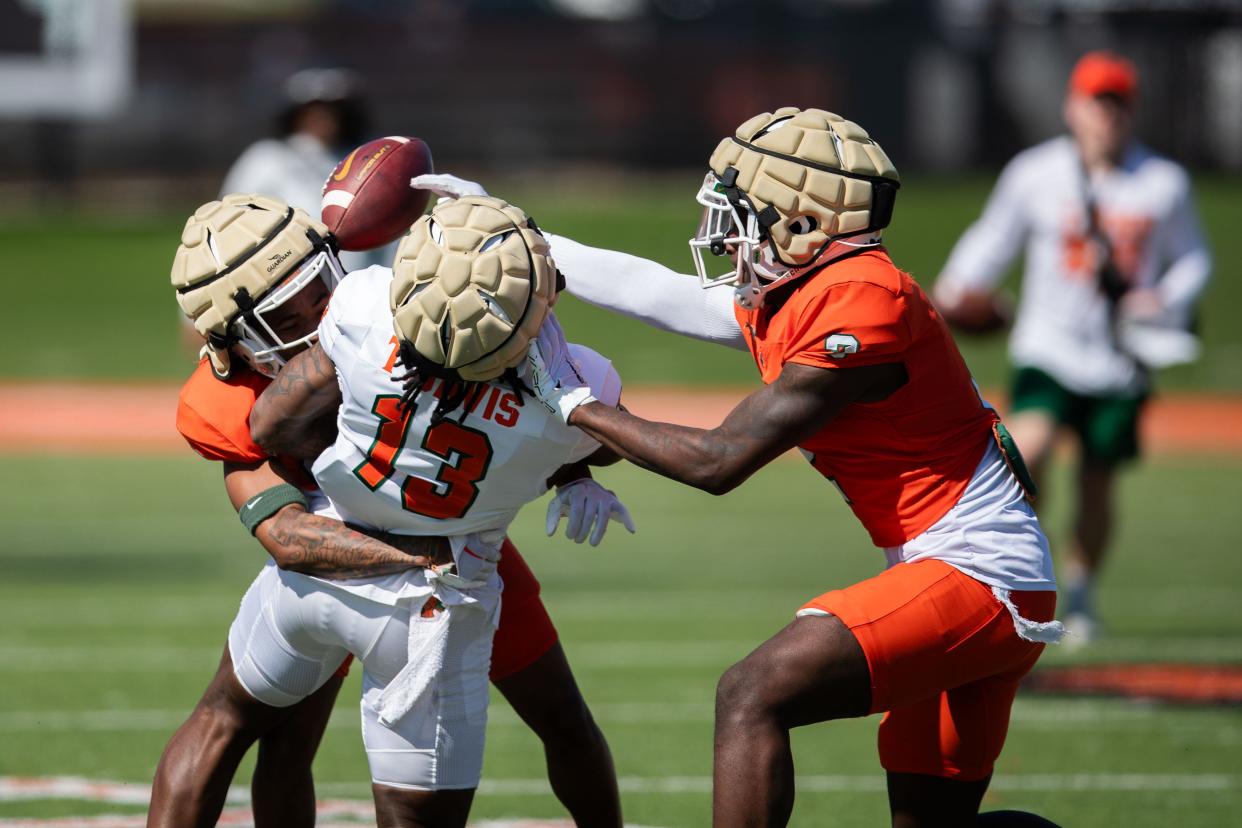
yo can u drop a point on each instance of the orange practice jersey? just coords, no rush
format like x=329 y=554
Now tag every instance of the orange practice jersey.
x=902 y=463
x=213 y=415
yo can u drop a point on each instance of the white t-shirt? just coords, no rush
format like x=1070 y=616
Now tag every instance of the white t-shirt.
x=991 y=534
x=293 y=169
x=472 y=471
x=1063 y=328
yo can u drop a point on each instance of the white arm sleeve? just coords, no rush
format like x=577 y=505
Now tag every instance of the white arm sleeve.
x=605 y=384
x=986 y=249
x=1190 y=263
x=647 y=291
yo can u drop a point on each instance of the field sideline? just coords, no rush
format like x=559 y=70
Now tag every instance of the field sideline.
x=138 y=417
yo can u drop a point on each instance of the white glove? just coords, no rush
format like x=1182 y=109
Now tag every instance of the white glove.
x=447 y=186
x=586 y=503
x=475 y=559
x=560 y=388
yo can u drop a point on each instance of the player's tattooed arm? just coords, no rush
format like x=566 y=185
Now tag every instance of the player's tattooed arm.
x=303 y=542
x=762 y=427
x=295 y=416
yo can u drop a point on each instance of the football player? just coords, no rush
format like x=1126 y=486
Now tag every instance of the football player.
x=451 y=450
x=1115 y=263
x=254 y=318
x=862 y=375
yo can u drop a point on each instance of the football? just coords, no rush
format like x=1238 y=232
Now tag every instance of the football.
x=978 y=313
x=367 y=200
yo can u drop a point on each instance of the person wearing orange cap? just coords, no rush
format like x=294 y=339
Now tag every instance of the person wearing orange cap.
x=1114 y=264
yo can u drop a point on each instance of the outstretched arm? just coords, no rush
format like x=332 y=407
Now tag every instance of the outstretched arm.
x=303 y=542
x=647 y=291
x=763 y=426
x=295 y=416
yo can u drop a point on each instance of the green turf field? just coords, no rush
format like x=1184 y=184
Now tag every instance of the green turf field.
x=71 y=267
x=121 y=575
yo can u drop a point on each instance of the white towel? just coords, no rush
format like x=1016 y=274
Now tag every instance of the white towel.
x=478 y=591
x=1039 y=632
x=427 y=645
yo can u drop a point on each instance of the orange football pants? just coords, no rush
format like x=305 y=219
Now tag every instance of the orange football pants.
x=945 y=663
x=526 y=631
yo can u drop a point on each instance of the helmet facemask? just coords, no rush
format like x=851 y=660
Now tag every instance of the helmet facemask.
x=727 y=226
x=757 y=267
x=285 y=320
x=253 y=273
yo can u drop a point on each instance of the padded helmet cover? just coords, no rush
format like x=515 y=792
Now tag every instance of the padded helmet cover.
x=232 y=252
x=473 y=281
x=808 y=164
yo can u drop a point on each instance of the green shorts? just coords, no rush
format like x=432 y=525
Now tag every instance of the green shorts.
x=1107 y=426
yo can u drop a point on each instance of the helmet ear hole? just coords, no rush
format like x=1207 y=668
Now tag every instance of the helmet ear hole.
x=801 y=225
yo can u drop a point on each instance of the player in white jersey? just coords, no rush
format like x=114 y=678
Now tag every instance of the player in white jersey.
x=322 y=117
x=450 y=450
x=1115 y=262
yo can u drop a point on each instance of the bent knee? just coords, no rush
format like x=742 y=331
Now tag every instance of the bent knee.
x=744 y=691
x=565 y=724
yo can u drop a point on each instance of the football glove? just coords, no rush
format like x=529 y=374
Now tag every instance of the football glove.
x=447 y=186
x=587 y=504
x=475 y=559
x=560 y=385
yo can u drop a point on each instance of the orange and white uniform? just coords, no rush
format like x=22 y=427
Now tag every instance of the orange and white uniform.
x=958 y=617
x=213 y=416
x=423 y=637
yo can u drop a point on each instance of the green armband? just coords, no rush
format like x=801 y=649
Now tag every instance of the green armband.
x=267 y=503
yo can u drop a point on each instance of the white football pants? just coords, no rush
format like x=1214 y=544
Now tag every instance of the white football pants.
x=292 y=632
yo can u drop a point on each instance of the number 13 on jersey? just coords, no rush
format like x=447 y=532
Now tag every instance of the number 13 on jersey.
x=465 y=454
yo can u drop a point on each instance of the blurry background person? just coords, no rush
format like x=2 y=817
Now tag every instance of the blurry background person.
x=1115 y=262
x=323 y=119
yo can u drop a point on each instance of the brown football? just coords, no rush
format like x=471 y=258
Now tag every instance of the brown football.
x=977 y=313
x=368 y=200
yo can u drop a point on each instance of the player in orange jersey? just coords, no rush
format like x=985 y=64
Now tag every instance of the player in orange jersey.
x=862 y=375
x=528 y=664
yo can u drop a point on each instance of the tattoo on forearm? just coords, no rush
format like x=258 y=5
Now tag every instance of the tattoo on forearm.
x=327 y=548
x=302 y=376
x=295 y=416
